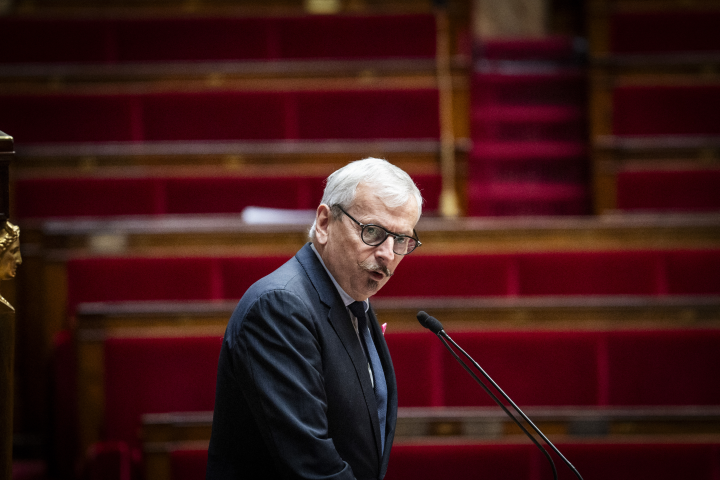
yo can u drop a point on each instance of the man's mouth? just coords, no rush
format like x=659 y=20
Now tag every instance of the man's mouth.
x=377 y=272
x=376 y=275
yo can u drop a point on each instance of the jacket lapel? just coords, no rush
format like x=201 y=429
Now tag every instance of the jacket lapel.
x=392 y=402
x=340 y=320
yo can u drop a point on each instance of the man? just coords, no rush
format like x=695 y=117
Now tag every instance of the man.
x=306 y=387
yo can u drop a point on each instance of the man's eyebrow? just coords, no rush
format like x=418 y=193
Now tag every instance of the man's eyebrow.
x=383 y=226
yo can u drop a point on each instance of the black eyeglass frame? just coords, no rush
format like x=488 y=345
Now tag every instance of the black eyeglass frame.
x=388 y=233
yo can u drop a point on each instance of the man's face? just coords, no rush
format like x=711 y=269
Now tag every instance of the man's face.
x=360 y=269
x=10 y=261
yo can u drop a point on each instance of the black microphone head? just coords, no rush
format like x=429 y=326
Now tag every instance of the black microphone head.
x=431 y=323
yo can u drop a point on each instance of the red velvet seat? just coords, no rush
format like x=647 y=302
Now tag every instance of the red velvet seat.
x=594 y=461
x=232 y=195
x=70 y=118
x=528 y=123
x=238 y=274
x=103 y=197
x=693 y=272
x=550 y=162
x=188 y=464
x=596 y=273
x=550 y=48
x=661 y=367
x=222 y=115
x=669 y=190
x=139 y=278
x=666 y=110
x=472 y=275
x=665 y=31
x=156 y=375
x=561 y=88
x=137 y=40
x=533 y=368
x=653 y=273
x=417 y=359
x=426 y=462
x=628 y=461
x=526 y=198
x=73 y=197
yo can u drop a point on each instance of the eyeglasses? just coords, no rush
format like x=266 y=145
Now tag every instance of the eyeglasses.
x=375 y=235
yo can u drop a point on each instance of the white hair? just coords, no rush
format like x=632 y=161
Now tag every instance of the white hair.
x=391 y=184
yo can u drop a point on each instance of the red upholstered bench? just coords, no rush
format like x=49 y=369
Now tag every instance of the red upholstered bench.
x=222 y=115
x=116 y=279
x=187 y=464
x=666 y=110
x=137 y=40
x=419 y=368
x=156 y=375
x=532 y=367
x=137 y=376
x=520 y=198
x=660 y=367
x=553 y=162
x=111 y=196
x=556 y=48
x=593 y=368
x=594 y=461
x=526 y=274
x=664 y=31
x=561 y=88
x=528 y=123
x=669 y=190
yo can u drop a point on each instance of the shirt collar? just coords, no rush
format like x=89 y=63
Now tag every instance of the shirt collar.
x=347 y=299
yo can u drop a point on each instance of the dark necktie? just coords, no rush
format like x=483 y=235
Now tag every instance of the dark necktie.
x=358 y=309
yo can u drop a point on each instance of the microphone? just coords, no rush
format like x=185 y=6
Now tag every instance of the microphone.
x=431 y=323
x=434 y=325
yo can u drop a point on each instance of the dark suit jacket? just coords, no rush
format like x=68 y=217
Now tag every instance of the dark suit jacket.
x=294 y=398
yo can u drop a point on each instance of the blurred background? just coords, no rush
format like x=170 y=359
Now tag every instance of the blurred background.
x=168 y=153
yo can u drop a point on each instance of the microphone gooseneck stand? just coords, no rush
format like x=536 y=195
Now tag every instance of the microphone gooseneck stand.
x=434 y=325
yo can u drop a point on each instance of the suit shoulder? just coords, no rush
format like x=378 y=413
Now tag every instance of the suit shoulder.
x=287 y=289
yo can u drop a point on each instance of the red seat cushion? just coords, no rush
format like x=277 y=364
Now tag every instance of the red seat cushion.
x=432 y=462
x=664 y=367
x=427 y=276
x=591 y=273
x=630 y=461
x=669 y=190
x=188 y=464
x=533 y=368
x=417 y=360
x=665 y=31
x=70 y=118
x=564 y=88
x=75 y=197
x=198 y=39
x=139 y=278
x=233 y=194
x=239 y=273
x=222 y=115
x=666 y=110
x=693 y=272
x=156 y=375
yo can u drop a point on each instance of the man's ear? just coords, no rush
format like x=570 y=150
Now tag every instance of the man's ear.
x=322 y=221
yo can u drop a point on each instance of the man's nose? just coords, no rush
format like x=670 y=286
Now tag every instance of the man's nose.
x=385 y=249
